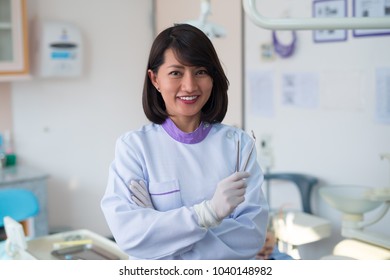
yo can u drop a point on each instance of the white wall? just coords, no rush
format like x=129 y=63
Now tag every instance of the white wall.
x=339 y=145
x=68 y=127
x=5 y=108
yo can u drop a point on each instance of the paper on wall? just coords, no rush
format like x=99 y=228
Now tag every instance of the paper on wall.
x=261 y=92
x=300 y=89
x=383 y=95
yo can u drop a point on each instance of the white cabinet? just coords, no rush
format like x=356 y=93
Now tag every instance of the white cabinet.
x=14 y=61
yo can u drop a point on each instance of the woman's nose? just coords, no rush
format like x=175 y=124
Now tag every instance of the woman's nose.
x=189 y=82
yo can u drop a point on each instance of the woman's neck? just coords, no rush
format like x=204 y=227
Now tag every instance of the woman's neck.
x=186 y=124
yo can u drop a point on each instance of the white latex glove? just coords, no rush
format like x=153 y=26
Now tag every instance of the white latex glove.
x=230 y=192
x=140 y=195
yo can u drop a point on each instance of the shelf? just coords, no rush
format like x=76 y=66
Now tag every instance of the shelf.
x=5 y=25
x=16 y=77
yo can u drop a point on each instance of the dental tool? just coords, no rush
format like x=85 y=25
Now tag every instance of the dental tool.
x=250 y=152
x=238 y=157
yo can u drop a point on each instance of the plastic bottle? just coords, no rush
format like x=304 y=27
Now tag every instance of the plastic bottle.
x=2 y=153
x=8 y=149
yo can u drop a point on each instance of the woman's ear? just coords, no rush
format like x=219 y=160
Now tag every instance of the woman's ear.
x=153 y=78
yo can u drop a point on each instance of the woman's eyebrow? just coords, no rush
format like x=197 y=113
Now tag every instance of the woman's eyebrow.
x=175 y=66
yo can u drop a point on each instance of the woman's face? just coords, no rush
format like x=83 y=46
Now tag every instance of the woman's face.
x=185 y=89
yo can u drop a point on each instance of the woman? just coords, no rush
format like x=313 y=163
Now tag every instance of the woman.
x=175 y=190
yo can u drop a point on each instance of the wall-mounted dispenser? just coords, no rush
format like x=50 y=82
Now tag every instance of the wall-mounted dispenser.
x=59 y=50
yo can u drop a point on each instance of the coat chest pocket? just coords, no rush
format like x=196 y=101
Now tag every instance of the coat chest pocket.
x=165 y=195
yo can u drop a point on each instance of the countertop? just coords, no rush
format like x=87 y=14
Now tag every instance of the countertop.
x=20 y=173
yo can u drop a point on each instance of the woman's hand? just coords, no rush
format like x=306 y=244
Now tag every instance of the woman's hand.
x=140 y=196
x=229 y=194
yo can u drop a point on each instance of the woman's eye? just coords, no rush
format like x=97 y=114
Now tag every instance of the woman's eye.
x=202 y=72
x=174 y=73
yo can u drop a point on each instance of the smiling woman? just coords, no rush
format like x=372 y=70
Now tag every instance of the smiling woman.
x=183 y=53
x=173 y=190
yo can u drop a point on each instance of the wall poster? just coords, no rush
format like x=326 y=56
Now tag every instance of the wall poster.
x=371 y=8
x=330 y=8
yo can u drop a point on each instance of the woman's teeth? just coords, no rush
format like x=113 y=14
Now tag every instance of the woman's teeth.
x=188 y=98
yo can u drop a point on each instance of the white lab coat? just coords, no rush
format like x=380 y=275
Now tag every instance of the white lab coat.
x=179 y=175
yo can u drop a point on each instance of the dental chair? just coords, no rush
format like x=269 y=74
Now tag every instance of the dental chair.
x=304 y=183
x=294 y=228
x=21 y=205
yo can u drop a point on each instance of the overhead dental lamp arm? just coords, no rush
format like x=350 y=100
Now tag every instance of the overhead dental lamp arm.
x=212 y=30
x=205 y=10
x=313 y=23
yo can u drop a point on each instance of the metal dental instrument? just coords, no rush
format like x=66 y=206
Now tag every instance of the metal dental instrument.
x=250 y=152
x=238 y=156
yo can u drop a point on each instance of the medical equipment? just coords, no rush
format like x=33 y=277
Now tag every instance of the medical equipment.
x=386 y=156
x=248 y=156
x=238 y=156
x=212 y=30
x=83 y=252
x=59 y=51
x=294 y=228
x=313 y=23
x=83 y=244
x=354 y=202
x=304 y=183
x=250 y=152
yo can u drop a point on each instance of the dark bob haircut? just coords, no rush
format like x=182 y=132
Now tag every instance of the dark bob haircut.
x=191 y=47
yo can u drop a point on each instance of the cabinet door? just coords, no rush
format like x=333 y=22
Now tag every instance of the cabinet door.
x=13 y=38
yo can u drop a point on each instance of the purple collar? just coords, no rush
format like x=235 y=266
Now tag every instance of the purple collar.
x=187 y=138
